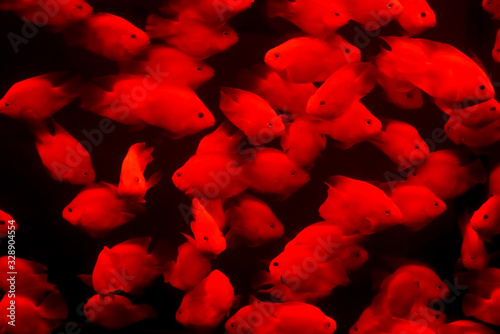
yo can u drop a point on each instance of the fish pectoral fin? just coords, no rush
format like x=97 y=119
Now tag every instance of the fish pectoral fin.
x=153 y=180
x=87 y=279
x=233 y=239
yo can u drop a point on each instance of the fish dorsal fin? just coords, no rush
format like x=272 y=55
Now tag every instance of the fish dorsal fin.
x=224 y=140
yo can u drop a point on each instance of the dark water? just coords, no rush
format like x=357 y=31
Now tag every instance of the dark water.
x=36 y=201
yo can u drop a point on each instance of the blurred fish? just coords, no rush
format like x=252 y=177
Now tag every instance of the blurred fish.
x=65 y=158
x=373 y=14
x=29 y=274
x=474 y=138
x=308 y=59
x=192 y=37
x=251 y=114
x=492 y=7
x=109 y=36
x=116 y=312
x=475 y=116
x=486 y=310
x=7 y=224
x=486 y=220
x=416 y=17
x=464 y=327
x=473 y=252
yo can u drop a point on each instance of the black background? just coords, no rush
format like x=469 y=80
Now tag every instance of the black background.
x=36 y=201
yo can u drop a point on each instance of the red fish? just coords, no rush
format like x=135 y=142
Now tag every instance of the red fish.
x=402 y=143
x=474 y=254
x=37 y=98
x=7 y=224
x=189 y=269
x=314 y=17
x=418 y=205
x=34 y=312
x=204 y=307
x=133 y=184
x=182 y=69
x=352 y=82
x=474 y=138
x=496 y=49
x=214 y=13
x=138 y=100
x=494 y=181
x=486 y=220
x=116 y=312
x=251 y=114
x=56 y=16
x=280 y=94
x=374 y=14
x=417 y=16
x=475 y=116
x=215 y=171
x=109 y=36
x=482 y=282
x=271 y=172
x=63 y=156
x=492 y=7
x=439 y=69
x=400 y=93
x=127 y=266
x=307 y=59
x=360 y=204
x=486 y=310
x=97 y=210
x=192 y=37
x=303 y=141
x=208 y=238
x=251 y=222
x=29 y=274
x=356 y=125
x=464 y=327
x=447 y=175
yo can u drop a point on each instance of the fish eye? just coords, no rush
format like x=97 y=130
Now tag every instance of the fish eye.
x=423 y=14
x=87 y=309
x=179 y=312
x=133 y=35
x=270 y=125
x=136 y=180
x=439 y=287
x=390 y=4
x=275 y=264
x=199 y=68
x=293 y=172
x=417 y=283
x=79 y=7
x=336 y=14
x=232 y=325
x=271 y=226
x=448 y=128
x=85 y=173
x=414 y=174
x=355 y=329
x=328 y=324
x=493 y=109
x=205 y=238
x=498 y=50
x=2 y=222
x=417 y=147
x=276 y=55
x=485 y=217
x=437 y=316
x=201 y=115
x=357 y=254
x=368 y=122
x=347 y=50
x=472 y=258
x=70 y=209
x=179 y=175
x=409 y=96
x=225 y=33
x=482 y=87
x=6 y=104
x=322 y=103
x=436 y=204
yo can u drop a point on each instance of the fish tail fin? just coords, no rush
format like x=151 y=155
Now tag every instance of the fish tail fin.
x=54 y=307
x=477 y=172
x=473 y=304
x=72 y=87
x=145 y=311
x=159 y=27
x=153 y=180
x=143 y=154
x=87 y=279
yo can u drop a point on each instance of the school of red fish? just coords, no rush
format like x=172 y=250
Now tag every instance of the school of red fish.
x=291 y=99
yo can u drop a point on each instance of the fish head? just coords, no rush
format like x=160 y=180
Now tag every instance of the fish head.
x=225 y=37
x=180 y=178
x=200 y=72
x=78 y=10
x=353 y=257
x=134 y=41
x=72 y=213
x=82 y=174
x=485 y=219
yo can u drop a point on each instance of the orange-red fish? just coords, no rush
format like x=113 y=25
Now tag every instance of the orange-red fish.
x=355 y=125
x=7 y=224
x=492 y=7
x=464 y=327
x=417 y=16
x=251 y=222
x=283 y=95
x=29 y=274
x=127 y=266
x=192 y=37
x=271 y=172
x=133 y=184
x=64 y=157
x=109 y=36
x=486 y=220
x=484 y=309
x=204 y=307
x=178 y=67
x=308 y=59
x=474 y=253
x=373 y=14
x=447 y=174
x=251 y=114
x=474 y=138
x=303 y=141
x=37 y=98
x=475 y=116
x=97 y=210
x=360 y=204
x=34 y=312
x=402 y=143
x=494 y=181
x=316 y=17
x=189 y=269
x=344 y=87
x=400 y=93
x=116 y=312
